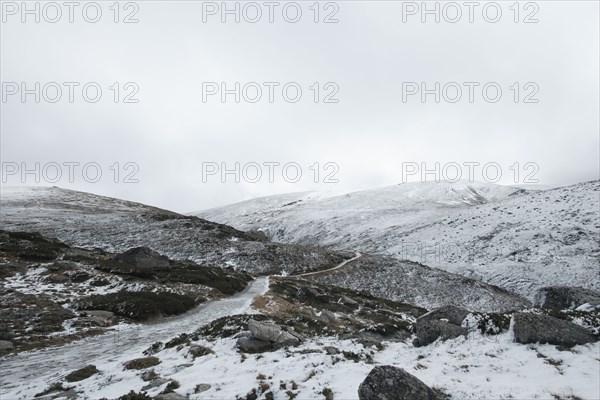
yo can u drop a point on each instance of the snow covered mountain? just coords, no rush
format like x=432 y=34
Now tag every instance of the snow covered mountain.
x=91 y=221
x=313 y=335
x=517 y=239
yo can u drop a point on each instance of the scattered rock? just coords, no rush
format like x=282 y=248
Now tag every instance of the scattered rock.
x=82 y=373
x=452 y=314
x=6 y=346
x=428 y=331
x=308 y=291
x=155 y=383
x=57 y=278
x=144 y=257
x=64 y=265
x=108 y=315
x=391 y=383
x=170 y=396
x=286 y=339
x=312 y=293
x=565 y=297
x=79 y=277
x=264 y=331
x=327 y=317
x=203 y=387
x=348 y=301
x=249 y=344
x=535 y=328
x=99 y=281
x=142 y=363
x=149 y=375
x=331 y=350
x=199 y=351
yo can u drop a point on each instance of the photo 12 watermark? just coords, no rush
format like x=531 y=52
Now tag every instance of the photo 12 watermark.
x=471 y=171
x=469 y=92
x=269 y=92
x=54 y=12
x=453 y=12
x=252 y=12
x=270 y=172
x=54 y=172
x=69 y=92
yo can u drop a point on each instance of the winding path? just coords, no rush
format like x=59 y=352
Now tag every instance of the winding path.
x=53 y=363
x=341 y=265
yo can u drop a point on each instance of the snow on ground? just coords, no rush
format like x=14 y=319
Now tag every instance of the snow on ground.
x=47 y=365
x=519 y=240
x=476 y=367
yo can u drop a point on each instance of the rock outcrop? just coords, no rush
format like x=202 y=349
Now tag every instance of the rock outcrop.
x=391 y=383
x=565 y=297
x=265 y=336
x=443 y=323
x=535 y=328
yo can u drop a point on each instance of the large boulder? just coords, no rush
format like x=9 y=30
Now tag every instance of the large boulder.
x=264 y=331
x=428 y=331
x=452 y=314
x=565 y=297
x=144 y=257
x=391 y=383
x=250 y=344
x=327 y=316
x=535 y=328
x=266 y=336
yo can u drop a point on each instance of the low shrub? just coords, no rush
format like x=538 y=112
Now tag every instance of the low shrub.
x=140 y=305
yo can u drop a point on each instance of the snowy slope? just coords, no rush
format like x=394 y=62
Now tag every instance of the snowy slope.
x=90 y=221
x=292 y=217
x=86 y=220
x=517 y=239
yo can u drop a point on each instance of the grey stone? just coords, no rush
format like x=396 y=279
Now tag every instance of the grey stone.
x=149 y=375
x=250 y=344
x=144 y=257
x=454 y=315
x=5 y=345
x=203 y=387
x=331 y=350
x=170 y=396
x=327 y=317
x=391 y=383
x=428 y=331
x=264 y=331
x=199 y=351
x=63 y=264
x=156 y=383
x=308 y=291
x=57 y=278
x=534 y=328
x=286 y=339
x=565 y=297
x=100 y=313
x=348 y=301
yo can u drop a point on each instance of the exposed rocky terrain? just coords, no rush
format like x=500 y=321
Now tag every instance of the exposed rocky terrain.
x=91 y=221
x=132 y=302
x=311 y=341
x=51 y=293
x=516 y=239
x=415 y=283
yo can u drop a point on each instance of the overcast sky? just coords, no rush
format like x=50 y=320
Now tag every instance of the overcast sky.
x=366 y=61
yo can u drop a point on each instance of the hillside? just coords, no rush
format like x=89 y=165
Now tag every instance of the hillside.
x=517 y=239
